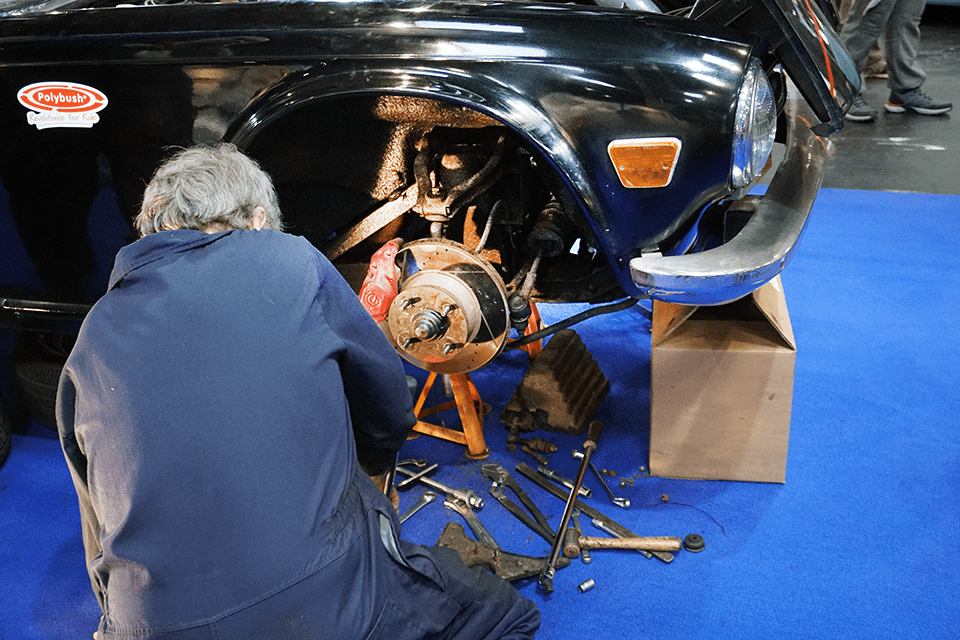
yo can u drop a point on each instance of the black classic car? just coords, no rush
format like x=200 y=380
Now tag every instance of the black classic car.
x=522 y=151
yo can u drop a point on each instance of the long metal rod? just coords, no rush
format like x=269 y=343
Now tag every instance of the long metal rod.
x=372 y=223
x=550 y=567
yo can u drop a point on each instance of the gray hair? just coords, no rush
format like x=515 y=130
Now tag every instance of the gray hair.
x=208 y=188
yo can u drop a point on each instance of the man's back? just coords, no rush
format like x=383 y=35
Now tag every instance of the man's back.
x=214 y=423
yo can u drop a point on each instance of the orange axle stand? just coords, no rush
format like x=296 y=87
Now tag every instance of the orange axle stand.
x=466 y=399
x=468 y=404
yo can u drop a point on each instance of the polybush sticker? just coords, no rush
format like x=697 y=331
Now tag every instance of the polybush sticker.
x=62 y=104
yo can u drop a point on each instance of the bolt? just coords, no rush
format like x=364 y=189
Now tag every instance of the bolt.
x=449 y=347
x=409 y=342
x=539 y=458
x=428 y=324
x=424 y=329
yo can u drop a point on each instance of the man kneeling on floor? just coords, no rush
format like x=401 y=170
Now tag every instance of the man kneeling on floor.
x=222 y=413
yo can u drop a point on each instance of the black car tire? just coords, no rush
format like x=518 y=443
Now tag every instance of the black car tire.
x=38 y=359
x=6 y=429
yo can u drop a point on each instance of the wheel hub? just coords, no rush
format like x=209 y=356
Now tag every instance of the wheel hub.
x=450 y=315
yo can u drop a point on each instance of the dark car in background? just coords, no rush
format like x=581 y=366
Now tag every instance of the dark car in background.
x=522 y=151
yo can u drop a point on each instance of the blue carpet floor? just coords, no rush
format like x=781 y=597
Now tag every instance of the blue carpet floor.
x=863 y=540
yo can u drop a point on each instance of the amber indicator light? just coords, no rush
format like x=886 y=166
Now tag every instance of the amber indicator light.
x=645 y=162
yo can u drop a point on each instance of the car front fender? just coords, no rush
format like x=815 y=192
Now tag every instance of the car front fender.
x=763 y=247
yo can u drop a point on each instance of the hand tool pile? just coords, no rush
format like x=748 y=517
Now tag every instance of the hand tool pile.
x=567 y=539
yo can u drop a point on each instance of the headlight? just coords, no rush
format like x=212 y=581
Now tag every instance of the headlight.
x=754 y=128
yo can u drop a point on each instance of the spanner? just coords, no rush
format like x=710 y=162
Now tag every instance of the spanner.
x=556 y=477
x=483 y=536
x=584 y=553
x=620 y=502
x=427 y=498
x=468 y=496
x=416 y=476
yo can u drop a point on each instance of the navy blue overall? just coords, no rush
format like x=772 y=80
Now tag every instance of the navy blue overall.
x=214 y=414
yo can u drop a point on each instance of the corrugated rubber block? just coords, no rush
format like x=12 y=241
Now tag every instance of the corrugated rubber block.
x=561 y=390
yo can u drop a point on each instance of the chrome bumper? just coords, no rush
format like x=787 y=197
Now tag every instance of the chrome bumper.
x=764 y=246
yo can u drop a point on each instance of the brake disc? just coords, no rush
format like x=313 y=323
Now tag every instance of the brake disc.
x=450 y=315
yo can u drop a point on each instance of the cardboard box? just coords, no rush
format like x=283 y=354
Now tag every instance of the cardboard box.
x=722 y=388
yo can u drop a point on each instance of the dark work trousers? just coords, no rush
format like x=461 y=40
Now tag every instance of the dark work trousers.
x=422 y=593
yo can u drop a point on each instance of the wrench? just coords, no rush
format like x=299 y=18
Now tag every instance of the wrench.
x=416 y=476
x=469 y=496
x=427 y=498
x=556 y=477
x=584 y=553
x=620 y=502
x=483 y=536
x=501 y=479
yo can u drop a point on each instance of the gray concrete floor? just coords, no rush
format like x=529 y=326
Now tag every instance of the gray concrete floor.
x=908 y=152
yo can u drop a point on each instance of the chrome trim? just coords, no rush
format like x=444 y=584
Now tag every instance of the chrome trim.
x=764 y=246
